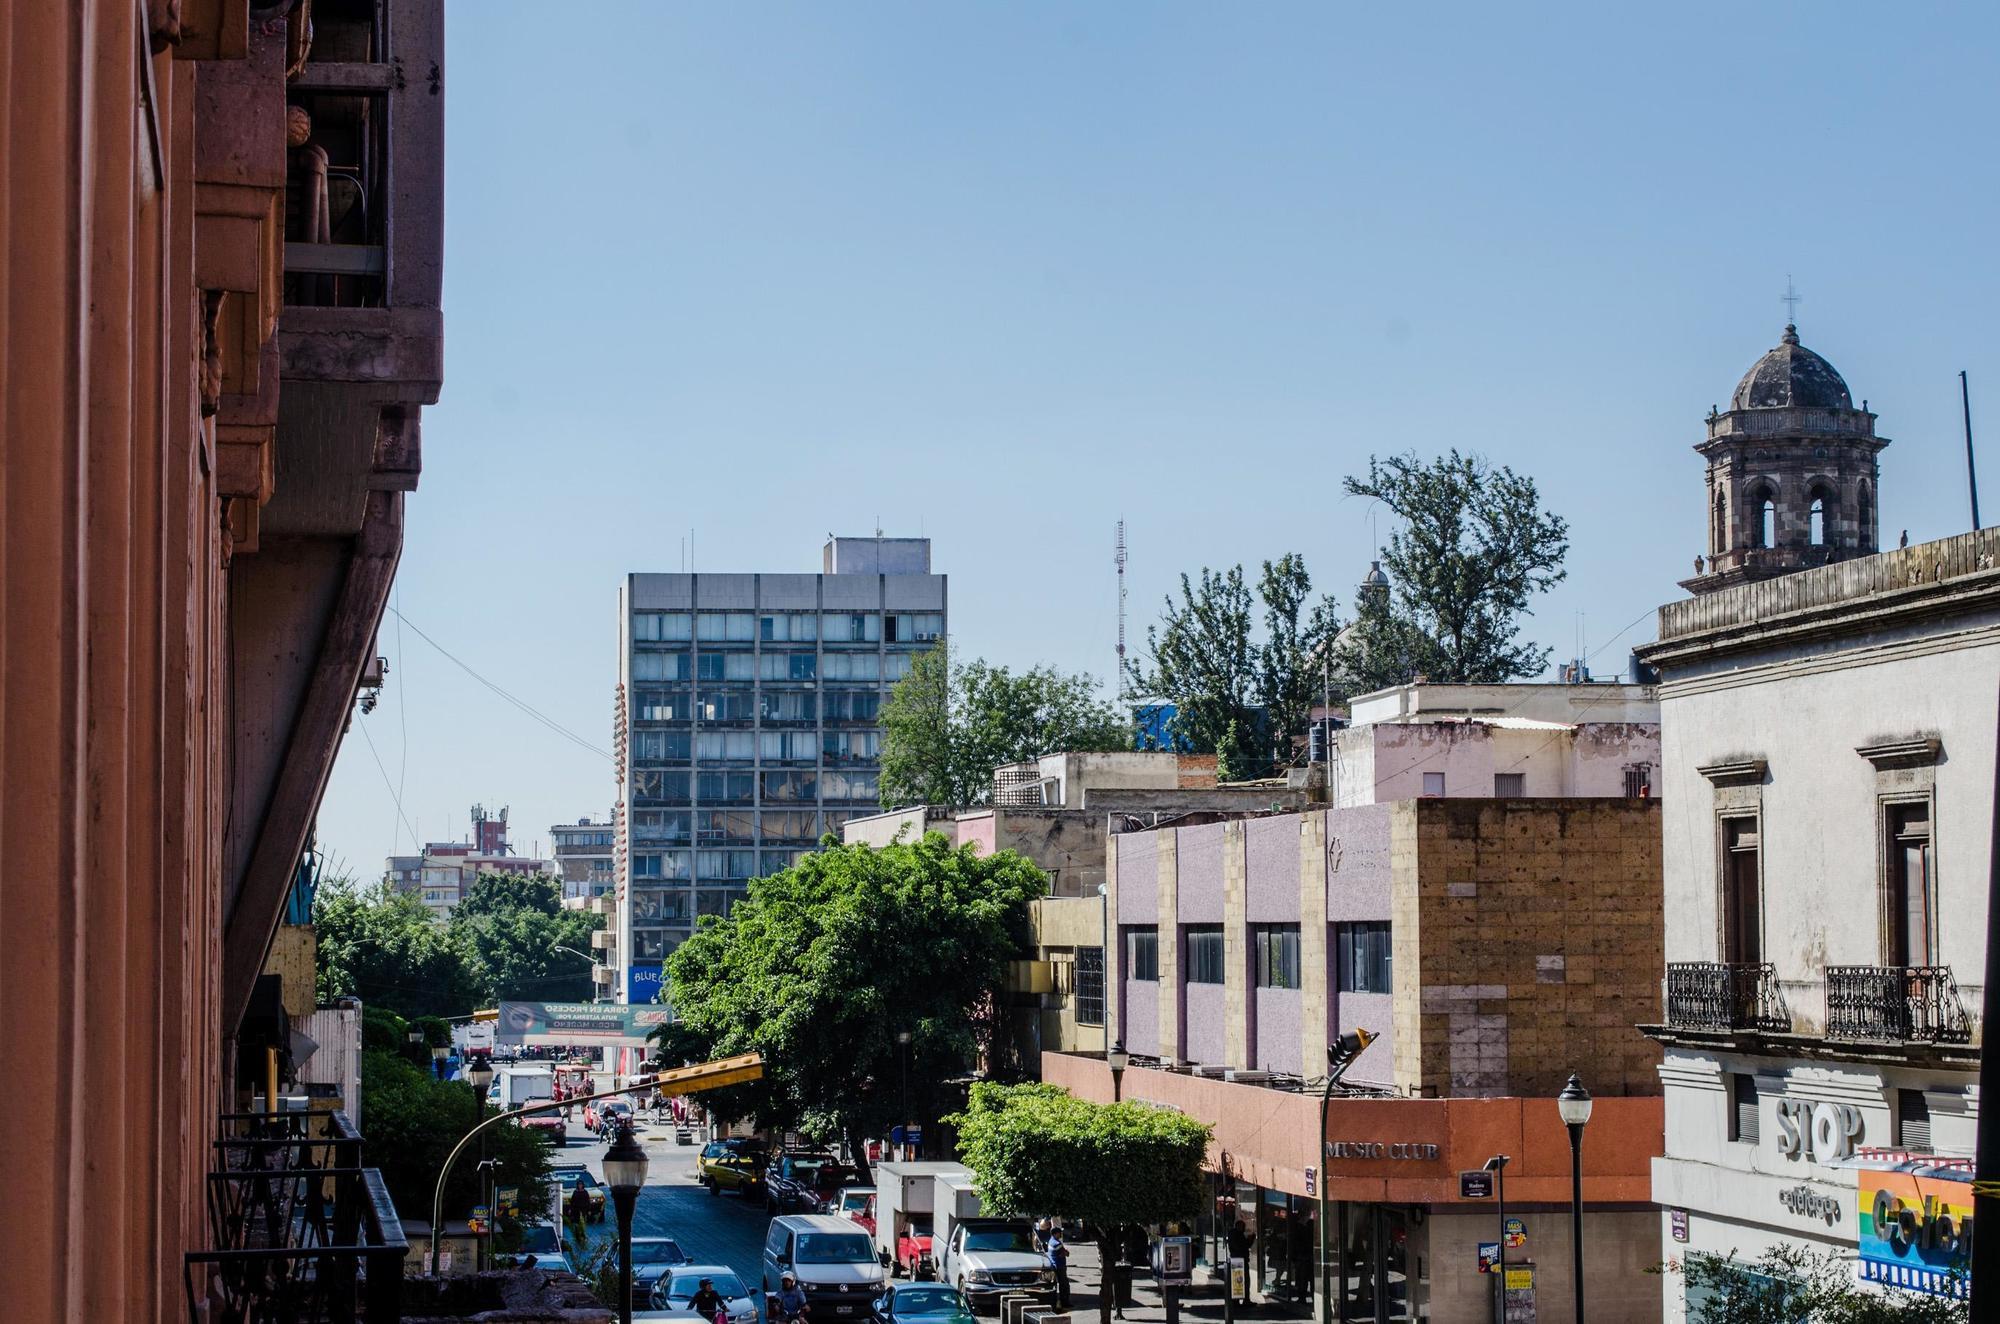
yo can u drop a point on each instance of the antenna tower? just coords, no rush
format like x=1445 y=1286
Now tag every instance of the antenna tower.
x=1118 y=557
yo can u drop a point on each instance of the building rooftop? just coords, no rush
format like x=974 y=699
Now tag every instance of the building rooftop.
x=1791 y=377
x=1520 y=706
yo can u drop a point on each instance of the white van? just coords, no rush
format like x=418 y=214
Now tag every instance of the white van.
x=833 y=1259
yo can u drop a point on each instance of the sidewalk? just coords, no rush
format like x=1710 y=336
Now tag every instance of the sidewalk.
x=1202 y=1301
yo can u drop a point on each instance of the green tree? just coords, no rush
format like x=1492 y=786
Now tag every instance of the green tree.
x=411 y=1121
x=384 y=948
x=1245 y=699
x=1791 y=1285
x=827 y=961
x=1037 y=1149
x=946 y=726
x=1473 y=548
x=513 y=927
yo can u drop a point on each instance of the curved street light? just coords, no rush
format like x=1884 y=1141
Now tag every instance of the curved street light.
x=625 y=1173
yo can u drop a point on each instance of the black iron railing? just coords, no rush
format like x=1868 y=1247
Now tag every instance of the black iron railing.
x=1893 y=1004
x=300 y=1231
x=1711 y=995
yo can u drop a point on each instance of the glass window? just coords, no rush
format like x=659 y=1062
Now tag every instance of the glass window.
x=849 y=786
x=791 y=825
x=1911 y=885
x=726 y=705
x=737 y=745
x=645 y=865
x=776 y=861
x=1277 y=949
x=787 y=746
x=1508 y=785
x=905 y=628
x=660 y=666
x=851 y=666
x=654 y=784
x=852 y=705
x=725 y=627
x=659 y=825
x=1142 y=953
x=1090 y=986
x=787 y=629
x=851 y=746
x=782 y=786
x=649 y=944
x=660 y=746
x=788 y=666
x=850 y=628
x=1203 y=944
x=725 y=787
x=898 y=665
x=662 y=626
x=787 y=706
x=711 y=864
x=1742 y=897
x=1361 y=955
x=709 y=666
x=1433 y=783
x=713 y=825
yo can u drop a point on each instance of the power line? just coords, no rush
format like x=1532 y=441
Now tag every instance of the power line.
x=387 y=784
x=522 y=704
x=403 y=716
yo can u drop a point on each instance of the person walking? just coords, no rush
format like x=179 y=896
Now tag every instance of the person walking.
x=1058 y=1253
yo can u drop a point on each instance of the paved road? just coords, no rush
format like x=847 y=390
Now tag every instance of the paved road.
x=713 y=1229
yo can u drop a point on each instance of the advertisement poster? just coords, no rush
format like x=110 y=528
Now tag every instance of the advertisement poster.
x=555 y=1024
x=1517 y=1233
x=1489 y=1256
x=1915 y=1225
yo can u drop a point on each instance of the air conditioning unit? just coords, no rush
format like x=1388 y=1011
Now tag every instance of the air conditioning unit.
x=1247 y=1077
x=928 y=636
x=1208 y=1073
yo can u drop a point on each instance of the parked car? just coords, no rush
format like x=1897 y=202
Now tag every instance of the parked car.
x=802 y=1183
x=988 y=1256
x=731 y=1165
x=544 y=1242
x=652 y=1258
x=922 y=1303
x=833 y=1260
x=677 y=1286
x=857 y=1204
x=568 y=1177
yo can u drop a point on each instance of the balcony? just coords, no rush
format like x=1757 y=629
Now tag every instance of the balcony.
x=301 y=1231
x=1895 y=1004
x=1708 y=995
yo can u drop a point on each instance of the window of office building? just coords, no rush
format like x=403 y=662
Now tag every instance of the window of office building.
x=783 y=786
x=851 y=746
x=852 y=705
x=1090 y=986
x=851 y=666
x=1744 y=1101
x=717 y=900
x=1203 y=946
x=658 y=784
x=740 y=746
x=776 y=861
x=719 y=825
x=660 y=825
x=725 y=787
x=725 y=627
x=788 y=746
x=908 y=627
x=712 y=864
x=788 y=629
x=849 y=786
x=649 y=944
x=898 y=665
x=791 y=825
x=1277 y=950
x=1362 y=957
x=660 y=746
x=850 y=628
x=788 y=706
x=661 y=626
x=788 y=666
x=726 y=705
x=662 y=705
x=1142 y=952
x=660 y=666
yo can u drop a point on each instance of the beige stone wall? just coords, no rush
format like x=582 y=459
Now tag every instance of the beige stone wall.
x=1528 y=942
x=1170 y=947
x=1313 y=966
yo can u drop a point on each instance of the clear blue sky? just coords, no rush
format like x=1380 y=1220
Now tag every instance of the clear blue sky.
x=1002 y=273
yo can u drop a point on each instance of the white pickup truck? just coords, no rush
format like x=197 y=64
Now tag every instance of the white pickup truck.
x=988 y=1256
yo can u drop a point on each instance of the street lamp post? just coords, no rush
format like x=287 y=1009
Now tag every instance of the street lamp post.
x=1574 y=1105
x=479 y=1074
x=903 y=1038
x=1340 y=1055
x=625 y=1174
x=1117 y=1059
x=1497 y=1165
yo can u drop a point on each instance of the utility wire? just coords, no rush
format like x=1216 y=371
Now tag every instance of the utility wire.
x=403 y=715
x=522 y=704
x=389 y=785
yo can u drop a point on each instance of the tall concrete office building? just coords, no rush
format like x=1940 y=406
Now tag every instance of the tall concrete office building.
x=747 y=726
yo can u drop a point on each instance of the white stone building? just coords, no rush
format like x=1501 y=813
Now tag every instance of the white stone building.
x=1828 y=771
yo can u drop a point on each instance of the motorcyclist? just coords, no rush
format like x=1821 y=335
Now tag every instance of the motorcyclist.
x=792 y=1302
x=707 y=1302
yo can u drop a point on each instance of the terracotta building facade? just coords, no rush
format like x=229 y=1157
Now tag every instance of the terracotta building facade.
x=221 y=323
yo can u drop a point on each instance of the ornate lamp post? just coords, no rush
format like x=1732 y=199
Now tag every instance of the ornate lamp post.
x=479 y=1074
x=1340 y=1056
x=625 y=1174
x=1117 y=1059
x=1574 y=1105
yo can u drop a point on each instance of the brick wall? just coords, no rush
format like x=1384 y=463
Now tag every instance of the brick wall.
x=1528 y=942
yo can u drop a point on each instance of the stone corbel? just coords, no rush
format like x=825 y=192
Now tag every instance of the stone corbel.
x=1735 y=772
x=1915 y=752
x=399 y=451
x=239 y=250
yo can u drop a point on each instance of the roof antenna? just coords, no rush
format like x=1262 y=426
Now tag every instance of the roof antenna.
x=1118 y=558
x=1971 y=476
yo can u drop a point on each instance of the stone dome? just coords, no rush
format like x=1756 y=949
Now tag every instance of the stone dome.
x=1791 y=376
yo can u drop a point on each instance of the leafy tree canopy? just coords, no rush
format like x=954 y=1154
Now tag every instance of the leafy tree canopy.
x=1473 y=548
x=1241 y=694
x=513 y=926
x=1038 y=1149
x=1792 y=1285
x=946 y=726
x=384 y=948
x=411 y=1121
x=827 y=961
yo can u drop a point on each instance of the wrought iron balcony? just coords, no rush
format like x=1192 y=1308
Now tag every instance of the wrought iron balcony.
x=1895 y=1004
x=302 y=1232
x=1709 y=995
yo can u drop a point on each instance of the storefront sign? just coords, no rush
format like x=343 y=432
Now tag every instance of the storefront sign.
x=1821 y=1132
x=642 y=984
x=1517 y=1233
x=1475 y=1185
x=1915 y=1225
x=554 y=1024
x=1376 y=1149
x=1677 y=1219
x=1808 y=1203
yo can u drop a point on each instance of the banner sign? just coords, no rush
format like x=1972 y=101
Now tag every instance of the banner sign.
x=555 y=1024
x=642 y=984
x=1915 y=1229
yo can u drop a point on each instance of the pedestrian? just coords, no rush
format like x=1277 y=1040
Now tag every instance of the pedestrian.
x=1241 y=1238
x=1058 y=1253
x=1042 y=1227
x=579 y=1207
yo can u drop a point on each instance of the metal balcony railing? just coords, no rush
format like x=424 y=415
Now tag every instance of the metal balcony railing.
x=1894 y=1004
x=301 y=1231
x=1710 y=995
